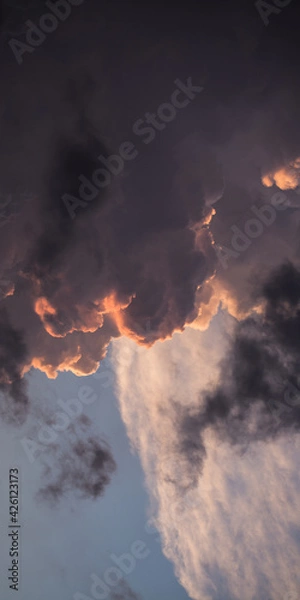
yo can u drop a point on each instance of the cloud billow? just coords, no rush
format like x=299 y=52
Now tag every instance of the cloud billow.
x=139 y=259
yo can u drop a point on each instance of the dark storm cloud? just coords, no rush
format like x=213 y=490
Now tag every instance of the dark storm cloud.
x=70 y=160
x=259 y=374
x=129 y=258
x=132 y=261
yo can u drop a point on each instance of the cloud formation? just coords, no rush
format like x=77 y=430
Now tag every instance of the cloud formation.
x=81 y=466
x=139 y=260
x=286 y=177
x=260 y=371
x=228 y=523
x=76 y=284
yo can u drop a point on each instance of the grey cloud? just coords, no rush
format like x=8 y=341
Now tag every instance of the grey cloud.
x=143 y=245
x=13 y=398
x=81 y=466
x=260 y=372
x=124 y=592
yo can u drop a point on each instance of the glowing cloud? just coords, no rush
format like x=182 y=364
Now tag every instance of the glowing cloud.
x=286 y=177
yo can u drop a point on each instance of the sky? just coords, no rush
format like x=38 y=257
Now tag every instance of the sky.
x=149 y=300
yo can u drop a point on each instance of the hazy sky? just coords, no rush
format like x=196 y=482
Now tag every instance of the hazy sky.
x=150 y=300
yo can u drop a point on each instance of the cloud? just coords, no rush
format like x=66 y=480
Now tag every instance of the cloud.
x=77 y=284
x=81 y=465
x=124 y=592
x=228 y=522
x=286 y=177
x=13 y=398
x=259 y=372
x=139 y=260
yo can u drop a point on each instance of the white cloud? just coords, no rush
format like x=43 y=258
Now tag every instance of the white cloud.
x=235 y=535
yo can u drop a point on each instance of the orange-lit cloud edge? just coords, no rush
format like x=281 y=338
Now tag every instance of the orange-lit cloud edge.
x=91 y=319
x=210 y=295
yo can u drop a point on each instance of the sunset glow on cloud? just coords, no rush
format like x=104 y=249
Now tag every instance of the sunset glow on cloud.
x=239 y=516
x=286 y=177
x=150 y=297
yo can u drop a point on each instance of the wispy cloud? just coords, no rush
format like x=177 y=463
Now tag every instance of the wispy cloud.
x=230 y=524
